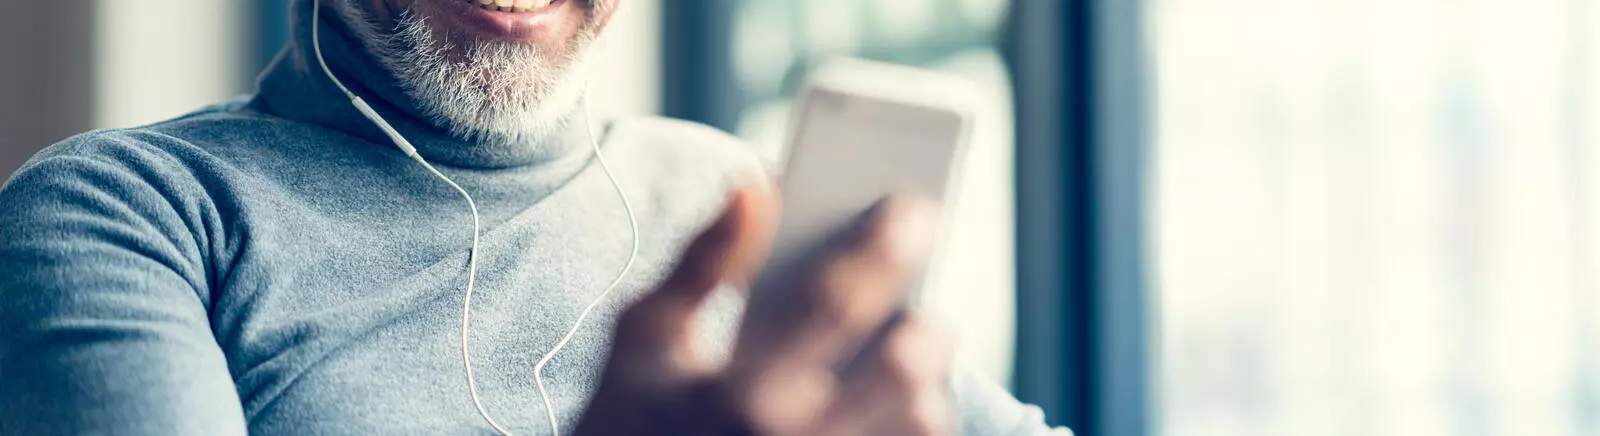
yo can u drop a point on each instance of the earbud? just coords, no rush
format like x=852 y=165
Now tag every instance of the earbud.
x=472 y=254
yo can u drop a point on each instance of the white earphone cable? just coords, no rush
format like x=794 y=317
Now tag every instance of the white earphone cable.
x=633 y=254
x=316 y=45
x=472 y=254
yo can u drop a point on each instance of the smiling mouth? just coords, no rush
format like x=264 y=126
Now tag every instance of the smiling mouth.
x=513 y=5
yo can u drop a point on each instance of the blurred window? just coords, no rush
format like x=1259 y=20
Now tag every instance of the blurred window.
x=158 y=59
x=775 y=40
x=1378 y=218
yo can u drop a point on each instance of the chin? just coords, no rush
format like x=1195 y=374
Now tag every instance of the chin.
x=478 y=84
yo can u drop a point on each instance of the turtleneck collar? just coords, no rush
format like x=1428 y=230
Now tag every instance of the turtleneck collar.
x=294 y=87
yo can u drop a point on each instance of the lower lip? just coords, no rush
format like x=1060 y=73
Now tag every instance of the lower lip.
x=511 y=25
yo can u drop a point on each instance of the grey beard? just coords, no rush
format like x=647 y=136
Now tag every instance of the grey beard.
x=489 y=91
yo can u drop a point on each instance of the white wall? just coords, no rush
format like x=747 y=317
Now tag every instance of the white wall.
x=627 y=70
x=156 y=59
x=45 y=83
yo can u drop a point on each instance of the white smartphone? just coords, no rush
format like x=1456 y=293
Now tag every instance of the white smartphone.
x=863 y=131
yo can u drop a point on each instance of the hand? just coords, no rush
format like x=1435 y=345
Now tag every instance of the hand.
x=781 y=379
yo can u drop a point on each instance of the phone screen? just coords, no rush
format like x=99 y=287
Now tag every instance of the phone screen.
x=848 y=153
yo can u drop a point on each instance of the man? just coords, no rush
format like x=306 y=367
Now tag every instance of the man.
x=276 y=265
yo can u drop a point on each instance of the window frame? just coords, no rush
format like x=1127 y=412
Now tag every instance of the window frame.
x=697 y=65
x=1085 y=314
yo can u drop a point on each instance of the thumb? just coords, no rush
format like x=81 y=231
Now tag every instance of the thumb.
x=659 y=328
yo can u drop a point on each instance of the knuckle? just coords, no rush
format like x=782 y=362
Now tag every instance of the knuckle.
x=931 y=415
x=780 y=400
x=880 y=248
x=923 y=425
x=832 y=301
x=903 y=369
x=916 y=352
x=899 y=233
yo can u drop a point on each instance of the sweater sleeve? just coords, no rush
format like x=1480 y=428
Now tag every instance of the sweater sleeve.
x=984 y=408
x=103 y=295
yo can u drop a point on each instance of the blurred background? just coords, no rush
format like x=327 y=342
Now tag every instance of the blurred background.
x=1180 y=217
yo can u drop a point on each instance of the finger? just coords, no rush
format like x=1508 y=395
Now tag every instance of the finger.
x=852 y=292
x=761 y=223
x=903 y=389
x=784 y=399
x=732 y=250
x=659 y=327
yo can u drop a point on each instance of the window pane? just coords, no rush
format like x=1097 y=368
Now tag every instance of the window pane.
x=1378 y=217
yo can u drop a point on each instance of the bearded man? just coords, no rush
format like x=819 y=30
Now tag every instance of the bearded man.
x=276 y=265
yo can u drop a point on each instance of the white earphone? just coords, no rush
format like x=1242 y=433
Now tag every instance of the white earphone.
x=472 y=255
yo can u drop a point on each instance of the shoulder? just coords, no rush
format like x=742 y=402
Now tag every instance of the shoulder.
x=103 y=191
x=681 y=147
x=103 y=156
x=167 y=145
x=170 y=166
x=112 y=185
x=197 y=149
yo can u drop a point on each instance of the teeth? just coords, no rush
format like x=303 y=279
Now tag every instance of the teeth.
x=511 y=5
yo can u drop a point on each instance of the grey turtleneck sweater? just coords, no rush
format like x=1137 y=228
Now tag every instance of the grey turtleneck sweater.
x=274 y=265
